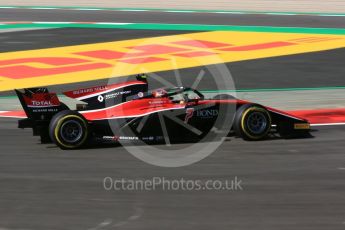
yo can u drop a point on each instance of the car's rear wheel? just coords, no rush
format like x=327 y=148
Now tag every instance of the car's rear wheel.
x=252 y=122
x=69 y=130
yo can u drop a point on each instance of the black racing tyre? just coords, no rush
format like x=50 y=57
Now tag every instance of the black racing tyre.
x=69 y=130
x=252 y=122
x=223 y=97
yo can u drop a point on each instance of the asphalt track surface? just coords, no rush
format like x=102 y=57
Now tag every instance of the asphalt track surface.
x=170 y=18
x=287 y=184
x=47 y=38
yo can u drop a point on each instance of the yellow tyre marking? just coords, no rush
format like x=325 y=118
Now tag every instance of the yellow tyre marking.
x=58 y=126
x=243 y=122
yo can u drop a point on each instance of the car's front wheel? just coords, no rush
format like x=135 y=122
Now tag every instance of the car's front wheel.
x=69 y=130
x=252 y=122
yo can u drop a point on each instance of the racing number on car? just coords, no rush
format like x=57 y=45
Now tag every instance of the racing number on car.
x=189 y=114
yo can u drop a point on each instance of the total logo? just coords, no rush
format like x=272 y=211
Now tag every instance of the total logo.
x=207 y=113
x=41 y=103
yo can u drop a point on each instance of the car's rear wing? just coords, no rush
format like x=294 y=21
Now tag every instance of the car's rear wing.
x=40 y=106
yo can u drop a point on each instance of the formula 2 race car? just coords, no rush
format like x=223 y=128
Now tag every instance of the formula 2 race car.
x=129 y=112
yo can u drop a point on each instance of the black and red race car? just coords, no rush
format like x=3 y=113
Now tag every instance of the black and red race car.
x=129 y=112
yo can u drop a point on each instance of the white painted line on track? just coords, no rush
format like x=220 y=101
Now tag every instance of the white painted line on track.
x=331 y=15
x=328 y=124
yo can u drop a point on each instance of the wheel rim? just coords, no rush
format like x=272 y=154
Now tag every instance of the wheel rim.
x=71 y=131
x=257 y=123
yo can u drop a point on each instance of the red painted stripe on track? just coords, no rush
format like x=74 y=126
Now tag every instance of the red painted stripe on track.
x=22 y=71
x=13 y=114
x=321 y=116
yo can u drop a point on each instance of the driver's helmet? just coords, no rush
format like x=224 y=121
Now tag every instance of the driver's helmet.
x=141 y=77
x=158 y=93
